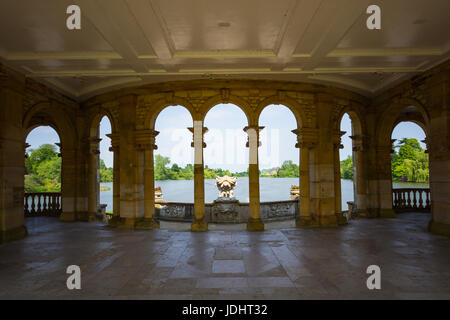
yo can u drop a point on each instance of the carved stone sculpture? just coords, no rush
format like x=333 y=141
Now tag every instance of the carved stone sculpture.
x=226 y=185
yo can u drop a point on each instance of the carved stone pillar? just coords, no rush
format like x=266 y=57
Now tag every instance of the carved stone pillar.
x=93 y=195
x=254 y=222
x=198 y=131
x=341 y=220
x=115 y=142
x=384 y=174
x=359 y=176
x=68 y=184
x=11 y=163
x=306 y=140
x=145 y=140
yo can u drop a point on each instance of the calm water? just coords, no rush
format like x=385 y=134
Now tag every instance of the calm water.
x=271 y=189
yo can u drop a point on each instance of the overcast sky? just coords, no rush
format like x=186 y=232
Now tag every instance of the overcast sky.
x=225 y=139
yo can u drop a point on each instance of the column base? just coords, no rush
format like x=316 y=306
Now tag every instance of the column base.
x=86 y=216
x=306 y=222
x=439 y=228
x=127 y=223
x=114 y=221
x=341 y=219
x=328 y=221
x=255 y=225
x=147 y=224
x=387 y=213
x=68 y=217
x=199 y=226
x=360 y=214
x=13 y=234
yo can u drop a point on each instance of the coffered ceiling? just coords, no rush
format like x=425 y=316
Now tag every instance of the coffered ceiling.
x=130 y=42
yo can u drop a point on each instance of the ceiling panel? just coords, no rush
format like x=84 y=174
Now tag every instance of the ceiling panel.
x=131 y=42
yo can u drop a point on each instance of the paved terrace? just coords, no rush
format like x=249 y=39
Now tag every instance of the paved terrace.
x=285 y=263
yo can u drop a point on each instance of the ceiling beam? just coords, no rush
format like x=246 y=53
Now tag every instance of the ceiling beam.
x=153 y=26
x=345 y=16
x=300 y=14
x=111 y=32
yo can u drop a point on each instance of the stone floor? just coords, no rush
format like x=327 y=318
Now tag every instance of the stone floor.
x=286 y=263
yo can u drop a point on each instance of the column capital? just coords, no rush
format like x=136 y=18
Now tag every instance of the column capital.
x=306 y=137
x=93 y=145
x=115 y=141
x=337 y=134
x=204 y=130
x=426 y=141
x=145 y=139
x=257 y=130
x=360 y=142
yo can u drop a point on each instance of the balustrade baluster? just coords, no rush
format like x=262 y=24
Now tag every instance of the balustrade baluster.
x=414 y=198
x=25 y=208
x=408 y=196
x=428 y=198
x=33 y=205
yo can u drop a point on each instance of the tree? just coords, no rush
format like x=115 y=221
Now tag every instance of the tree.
x=43 y=170
x=347 y=168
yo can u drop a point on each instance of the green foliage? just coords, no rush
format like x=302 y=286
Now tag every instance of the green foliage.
x=409 y=163
x=175 y=172
x=347 y=168
x=106 y=174
x=288 y=169
x=43 y=170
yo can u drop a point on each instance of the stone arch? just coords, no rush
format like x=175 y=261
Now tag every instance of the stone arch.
x=95 y=118
x=160 y=105
x=392 y=115
x=231 y=99
x=51 y=115
x=358 y=125
x=290 y=103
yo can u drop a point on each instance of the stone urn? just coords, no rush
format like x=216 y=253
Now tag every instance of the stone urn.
x=295 y=192
x=158 y=194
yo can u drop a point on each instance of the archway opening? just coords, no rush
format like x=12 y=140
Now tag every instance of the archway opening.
x=347 y=167
x=105 y=167
x=42 y=176
x=278 y=157
x=174 y=156
x=410 y=168
x=226 y=152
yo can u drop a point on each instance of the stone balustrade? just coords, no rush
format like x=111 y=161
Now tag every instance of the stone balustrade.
x=42 y=204
x=411 y=199
x=231 y=211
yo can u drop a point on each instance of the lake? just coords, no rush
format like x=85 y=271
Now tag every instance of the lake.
x=271 y=189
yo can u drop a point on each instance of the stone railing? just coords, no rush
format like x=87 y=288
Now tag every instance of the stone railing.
x=42 y=204
x=231 y=211
x=411 y=199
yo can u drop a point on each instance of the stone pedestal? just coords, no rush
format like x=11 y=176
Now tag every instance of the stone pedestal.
x=225 y=210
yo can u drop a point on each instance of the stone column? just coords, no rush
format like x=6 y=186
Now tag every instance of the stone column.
x=439 y=152
x=306 y=140
x=198 y=131
x=115 y=141
x=129 y=163
x=384 y=174
x=254 y=222
x=145 y=140
x=11 y=163
x=68 y=184
x=341 y=220
x=359 y=176
x=93 y=195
